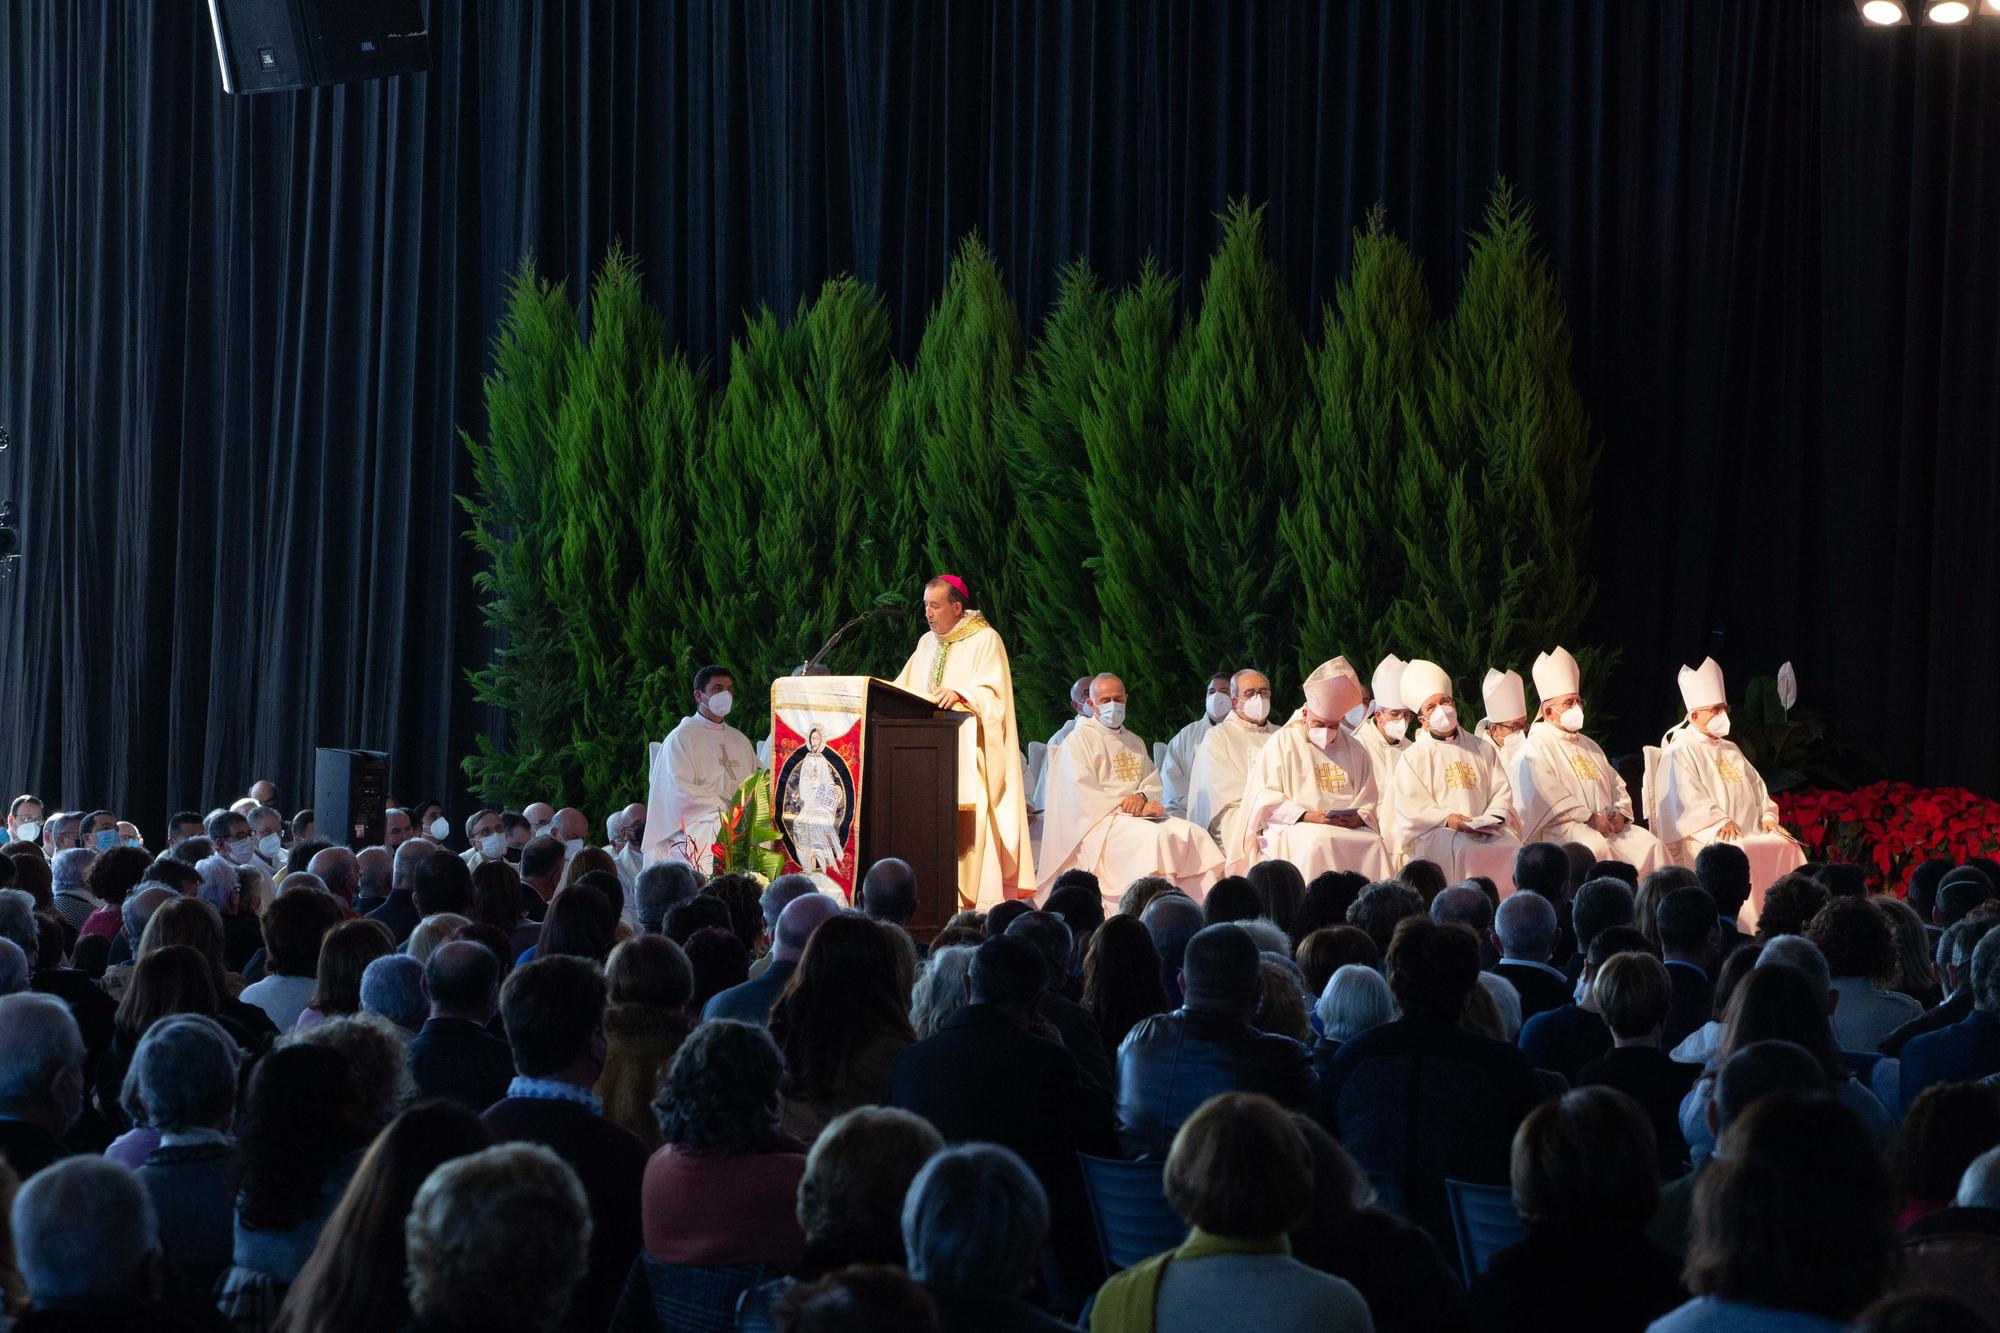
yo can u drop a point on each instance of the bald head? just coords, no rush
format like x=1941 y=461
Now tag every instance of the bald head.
x=1106 y=688
x=372 y=866
x=1079 y=695
x=339 y=870
x=408 y=857
x=798 y=921
x=570 y=825
x=538 y=814
x=889 y=891
x=463 y=980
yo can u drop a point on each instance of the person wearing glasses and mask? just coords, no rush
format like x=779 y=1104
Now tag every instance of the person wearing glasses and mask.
x=1454 y=804
x=1222 y=761
x=1506 y=720
x=1701 y=790
x=1309 y=797
x=1565 y=789
x=698 y=769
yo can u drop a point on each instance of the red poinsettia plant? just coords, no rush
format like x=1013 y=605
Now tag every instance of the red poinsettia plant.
x=1889 y=827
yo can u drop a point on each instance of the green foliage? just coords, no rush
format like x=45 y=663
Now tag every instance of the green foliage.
x=749 y=837
x=1795 y=748
x=1143 y=490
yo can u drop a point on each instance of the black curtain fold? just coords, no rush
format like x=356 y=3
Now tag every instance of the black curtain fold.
x=238 y=335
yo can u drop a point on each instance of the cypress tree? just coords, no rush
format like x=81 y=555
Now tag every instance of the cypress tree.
x=1050 y=466
x=530 y=680
x=673 y=426
x=1364 y=399
x=1237 y=371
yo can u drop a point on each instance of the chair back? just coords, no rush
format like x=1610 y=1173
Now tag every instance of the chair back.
x=1128 y=1202
x=1484 y=1219
x=687 y=1298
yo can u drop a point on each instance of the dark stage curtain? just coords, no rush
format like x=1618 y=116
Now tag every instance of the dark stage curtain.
x=237 y=335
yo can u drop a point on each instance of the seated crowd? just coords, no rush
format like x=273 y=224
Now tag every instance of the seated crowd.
x=261 y=1082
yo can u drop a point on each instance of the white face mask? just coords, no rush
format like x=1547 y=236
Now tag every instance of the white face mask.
x=1320 y=736
x=1218 y=706
x=439 y=829
x=106 y=839
x=238 y=849
x=1444 y=720
x=1111 y=715
x=572 y=846
x=1356 y=715
x=493 y=846
x=1256 y=709
x=269 y=846
x=28 y=831
x=1394 y=730
x=720 y=703
x=1718 y=726
x=1572 y=718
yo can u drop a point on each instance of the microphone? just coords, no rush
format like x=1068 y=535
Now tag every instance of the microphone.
x=807 y=667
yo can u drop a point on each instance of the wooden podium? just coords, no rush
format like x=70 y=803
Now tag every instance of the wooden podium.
x=906 y=802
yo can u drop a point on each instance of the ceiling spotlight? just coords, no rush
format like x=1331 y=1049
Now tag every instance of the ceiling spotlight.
x=1882 y=13
x=1947 y=11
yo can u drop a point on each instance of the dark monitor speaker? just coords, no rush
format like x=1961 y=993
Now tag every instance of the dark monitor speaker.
x=268 y=46
x=350 y=796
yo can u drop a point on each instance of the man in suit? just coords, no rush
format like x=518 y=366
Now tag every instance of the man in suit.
x=1524 y=930
x=41 y=1080
x=1689 y=934
x=399 y=910
x=1968 y=1049
x=985 y=1077
x=1723 y=871
x=751 y=1001
x=554 y=1012
x=1050 y=935
x=454 y=1056
x=1954 y=968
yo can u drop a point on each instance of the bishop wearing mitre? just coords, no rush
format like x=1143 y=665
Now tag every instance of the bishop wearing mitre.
x=1506 y=720
x=961 y=664
x=1104 y=813
x=1383 y=728
x=1703 y=791
x=1453 y=802
x=1222 y=761
x=1565 y=789
x=1310 y=797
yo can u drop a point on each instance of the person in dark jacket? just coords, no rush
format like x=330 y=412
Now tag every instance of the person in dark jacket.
x=751 y=1001
x=1050 y=934
x=1632 y=992
x=974 y=1224
x=1690 y=934
x=1525 y=931
x=1419 y=1101
x=1584 y=1185
x=454 y=1056
x=1172 y=1063
x=1969 y=1048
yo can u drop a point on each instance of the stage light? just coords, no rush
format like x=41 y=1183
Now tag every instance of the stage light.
x=1947 y=11
x=1882 y=13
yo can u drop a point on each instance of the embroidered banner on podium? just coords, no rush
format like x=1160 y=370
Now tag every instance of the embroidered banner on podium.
x=816 y=745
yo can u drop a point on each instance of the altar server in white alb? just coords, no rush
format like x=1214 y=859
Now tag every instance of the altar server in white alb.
x=1310 y=795
x=1222 y=761
x=1177 y=766
x=1104 y=811
x=1506 y=720
x=1565 y=789
x=1453 y=803
x=697 y=771
x=1384 y=731
x=1703 y=790
x=1037 y=768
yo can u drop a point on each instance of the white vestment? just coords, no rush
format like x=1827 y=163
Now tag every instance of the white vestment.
x=698 y=769
x=1095 y=770
x=1291 y=777
x=1562 y=778
x=815 y=827
x=1384 y=756
x=1215 y=780
x=970 y=658
x=1177 y=769
x=1705 y=783
x=1461 y=776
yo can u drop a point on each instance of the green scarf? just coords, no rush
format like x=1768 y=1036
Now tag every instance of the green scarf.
x=968 y=625
x=1126 y=1303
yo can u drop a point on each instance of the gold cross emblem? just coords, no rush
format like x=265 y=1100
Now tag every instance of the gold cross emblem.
x=1331 y=779
x=1460 y=776
x=1728 y=771
x=1584 y=766
x=1125 y=766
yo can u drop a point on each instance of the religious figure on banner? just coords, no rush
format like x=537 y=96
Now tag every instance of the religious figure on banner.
x=961 y=664
x=815 y=807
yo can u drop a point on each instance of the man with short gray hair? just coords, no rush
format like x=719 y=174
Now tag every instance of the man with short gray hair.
x=497 y=1241
x=88 y=1244
x=399 y=912
x=1968 y=1049
x=393 y=986
x=1172 y=919
x=1524 y=930
x=41 y=1081
x=975 y=1221
x=13 y=968
x=338 y=869
x=73 y=902
x=660 y=888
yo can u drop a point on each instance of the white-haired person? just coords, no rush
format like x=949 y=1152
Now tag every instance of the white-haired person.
x=88 y=1246
x=496 y=1242
x=975 y=1223
x=41 y=1080
x=182 y=1084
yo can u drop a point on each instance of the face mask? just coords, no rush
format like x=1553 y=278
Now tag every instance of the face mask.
x=1111 y=715
x=1572 y=718
x=1085 y=710
x=133 y=842
x=439 y=829
x=720 y=703
x=493 y=846
x=28 y=831
x=572 y=846
x=635 y=836
x=1355 y=715
x=1444 y=720
x=514 y=854
x=1320 y=736
x=1718 y=726
x=1394 y=731
x=269 y=846
x=1218 y=707
x=541 y=830
x=107 y=839
x=238 y=849
x=1256 y=709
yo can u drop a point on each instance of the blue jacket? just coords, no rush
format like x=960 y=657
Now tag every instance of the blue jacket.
x=1171 y=1063
x=1968 y=1049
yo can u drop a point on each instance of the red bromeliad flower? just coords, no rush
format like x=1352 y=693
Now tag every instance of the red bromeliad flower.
x=1888 y=827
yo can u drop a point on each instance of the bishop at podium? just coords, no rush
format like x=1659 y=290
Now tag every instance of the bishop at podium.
x=961 y=664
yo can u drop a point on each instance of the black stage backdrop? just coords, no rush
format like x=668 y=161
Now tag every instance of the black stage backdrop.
x=236 y=334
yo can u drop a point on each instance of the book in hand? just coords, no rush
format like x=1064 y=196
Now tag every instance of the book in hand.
x=1483 y=822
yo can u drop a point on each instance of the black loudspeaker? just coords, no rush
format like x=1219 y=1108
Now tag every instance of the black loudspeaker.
x=272 y=45
x=350 y=794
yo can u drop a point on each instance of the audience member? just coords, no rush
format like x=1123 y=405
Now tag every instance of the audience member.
x=304 y=1127
x=293 y=925
x=581 y=923
x=1281 y=891
x=1326 y=902
x=1122 y=982
x=1330 y=948
x=344 y=954
x=1700 y=1046
x=1955 y=947
x=940 y=989
x=1690 y=936
x=496 y=1241
x=89 y=1252
x=1502 y=1002
x=649 y=983
x=750 y=1001
x=182 y=1085
x=392 y=987
x=1381 y=906
x=718 y=962
x=841 y=1021
x=1073 y=1023
x=1425 y=877
x=1232 y=898
x=399 y=911
x=1969 y=1048
x=1141 y=892
x=1951 y=1251
x=496 y=901
x=1916 y=974
x=1722 y=870
x=1356 y=999
x=1563 y=1040
x=975 y=1221
x=888 y=892
x=1172 y=919
x=696 y=913
x=1075 y=898
x=453 y=1056
x=432 y=931
x=41 y=1081
x=1241 y=1173
x=1524 y=931
x=1789 y=902
x=1632 y=994
x=1281 y=1000
x=1943 y=1131
x=659 y=889
x=1859 y=946
x=861 y=1298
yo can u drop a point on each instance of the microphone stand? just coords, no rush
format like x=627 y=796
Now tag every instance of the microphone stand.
x=805 y=668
